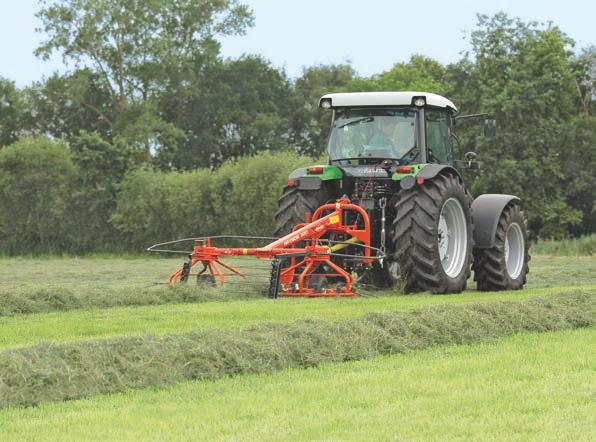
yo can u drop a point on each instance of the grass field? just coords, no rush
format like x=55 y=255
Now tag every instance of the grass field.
x=526 y=387
x=98 y=283
x=537 y=386
x=54 y=284
x=20 y=330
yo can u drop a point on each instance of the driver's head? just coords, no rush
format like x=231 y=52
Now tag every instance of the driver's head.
x=387 y=125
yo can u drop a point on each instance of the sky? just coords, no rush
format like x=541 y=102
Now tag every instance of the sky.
x=372 y=35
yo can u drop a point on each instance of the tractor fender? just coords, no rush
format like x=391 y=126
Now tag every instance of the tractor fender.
x=298 y=173
x=432 y=170
x=303 y=182
x=486 y=211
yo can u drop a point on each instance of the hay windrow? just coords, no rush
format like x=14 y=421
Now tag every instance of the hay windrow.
x=54 y=372
x=43 y=300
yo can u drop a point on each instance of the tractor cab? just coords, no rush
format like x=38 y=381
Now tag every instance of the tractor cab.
x=397 y=127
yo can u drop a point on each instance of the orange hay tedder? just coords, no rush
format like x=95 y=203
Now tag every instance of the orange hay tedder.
x=304 y=263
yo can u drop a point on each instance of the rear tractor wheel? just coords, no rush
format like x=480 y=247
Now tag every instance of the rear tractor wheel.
x=293 y=205
x=432 y=236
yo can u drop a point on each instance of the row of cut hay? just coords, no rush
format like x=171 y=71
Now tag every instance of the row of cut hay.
x=49 y=299
x=54 y=372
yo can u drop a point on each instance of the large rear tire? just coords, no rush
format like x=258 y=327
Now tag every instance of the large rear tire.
x=505 y=265
x=294 y=203
x=432 y=236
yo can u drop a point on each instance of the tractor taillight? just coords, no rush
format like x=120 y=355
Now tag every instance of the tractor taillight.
x=316 y=170
x=403 y=169
x=291 y=182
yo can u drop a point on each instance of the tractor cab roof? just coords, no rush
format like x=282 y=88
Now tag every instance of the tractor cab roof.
x=363 y=99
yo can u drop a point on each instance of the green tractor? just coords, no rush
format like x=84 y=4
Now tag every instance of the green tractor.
x=392 y=154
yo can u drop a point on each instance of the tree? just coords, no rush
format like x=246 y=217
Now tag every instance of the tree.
x=11 y=112
x=524 y=77
x=310 y=125
x=234 y=108
x=585 y=73
x=62 y=106
x=135 y=52
x=101 y=169
x=134 y=46
x=36 y=185
x=419 y=74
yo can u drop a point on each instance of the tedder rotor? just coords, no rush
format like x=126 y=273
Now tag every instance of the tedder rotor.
x=305 y=262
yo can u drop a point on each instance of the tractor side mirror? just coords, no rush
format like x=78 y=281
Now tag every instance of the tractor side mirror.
x=469 y=162
x=490 y=128
x=471 y=156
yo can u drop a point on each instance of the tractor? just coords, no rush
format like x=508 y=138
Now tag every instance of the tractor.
x=392 y=154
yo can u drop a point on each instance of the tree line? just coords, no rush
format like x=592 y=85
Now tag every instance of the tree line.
x=148 y=92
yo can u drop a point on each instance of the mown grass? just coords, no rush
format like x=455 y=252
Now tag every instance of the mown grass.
x=533 y=386
x=22 y=330
x=59 y=284
x=50 y=372
x=582 y=246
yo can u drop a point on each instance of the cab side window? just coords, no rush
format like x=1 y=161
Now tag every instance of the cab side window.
x=438 y=137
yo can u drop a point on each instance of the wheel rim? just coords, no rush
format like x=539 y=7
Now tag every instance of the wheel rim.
x=452 y=238
x=514 y=250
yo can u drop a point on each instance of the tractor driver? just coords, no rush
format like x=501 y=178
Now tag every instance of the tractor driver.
x=384 y=135
x=396 y=134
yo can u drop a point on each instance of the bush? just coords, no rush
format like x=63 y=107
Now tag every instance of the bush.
x=51 y=372
x=36 y=208
x=239 y=198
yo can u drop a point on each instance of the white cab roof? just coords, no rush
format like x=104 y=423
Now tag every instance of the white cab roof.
x=349 y=99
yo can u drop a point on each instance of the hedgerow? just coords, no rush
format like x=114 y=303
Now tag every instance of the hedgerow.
x=54 y=372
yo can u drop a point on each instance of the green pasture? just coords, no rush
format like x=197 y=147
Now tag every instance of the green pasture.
x=36 y=285
x=88 y=298
x=22 y=330
x=535 y=386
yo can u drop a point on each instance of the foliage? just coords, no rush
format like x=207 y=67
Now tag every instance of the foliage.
x=581 y=246
x=419 y=74
x=36 y=182
x=233 y=108
x=236 y=199
x=101 y=167
x=148 y=88
x=135 y=46
x=524 y=77
x=62 y=106
x=11 y=110
x=37 y=374
x=134 y=53
x=310 y=124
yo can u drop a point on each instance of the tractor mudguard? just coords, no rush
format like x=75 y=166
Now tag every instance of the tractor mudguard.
x=298 y=173
x=486 y=211
x=305 y=180
x=432 y=170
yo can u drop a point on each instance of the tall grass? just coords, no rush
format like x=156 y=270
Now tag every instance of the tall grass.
x=582 y=246
x=49 y=372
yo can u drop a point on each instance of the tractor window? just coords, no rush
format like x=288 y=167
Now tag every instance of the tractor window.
x=373 y=133
x=438 y=137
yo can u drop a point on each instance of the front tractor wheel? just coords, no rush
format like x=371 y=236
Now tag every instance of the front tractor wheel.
x=505 y=265
x=432 y=236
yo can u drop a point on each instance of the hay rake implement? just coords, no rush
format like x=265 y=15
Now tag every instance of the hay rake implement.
x=305 y=262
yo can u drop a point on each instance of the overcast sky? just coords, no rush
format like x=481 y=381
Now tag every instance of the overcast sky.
x=373 y=35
